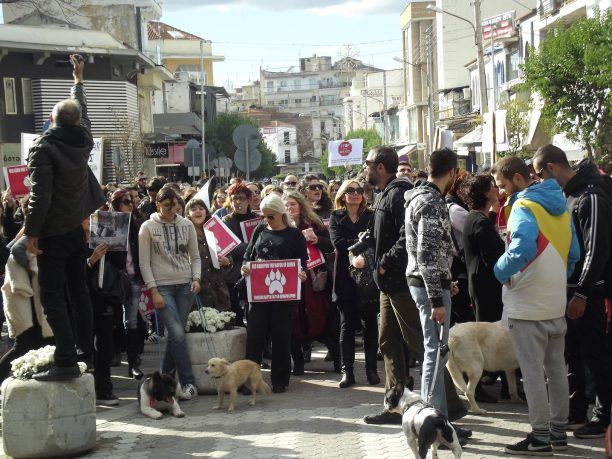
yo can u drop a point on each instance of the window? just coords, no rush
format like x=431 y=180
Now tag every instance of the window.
x=283 y=84
x=312 y=82
x=313 y=99
x=512 y=64
x=26 y=92
x=297 y=102
x=10 y=96
x=286 y=138
x=500 y=74
x=270 y=85
x=287 y=156
x=297 y=84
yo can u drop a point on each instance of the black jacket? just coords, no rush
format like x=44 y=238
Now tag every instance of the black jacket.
x=343 y=235
x=233 y=220
x=390 y=239
x=64 y=190
x=590 y=206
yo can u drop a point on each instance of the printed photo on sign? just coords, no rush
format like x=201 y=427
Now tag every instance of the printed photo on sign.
x=225 y=238
x=248 y=227
x=17 y=179
x=111 y=228
x=315 y=256
x=274 y=280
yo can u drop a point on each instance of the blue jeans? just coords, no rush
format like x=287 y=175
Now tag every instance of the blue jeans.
x=179 y=301
x=130 y=309
x=431 y=338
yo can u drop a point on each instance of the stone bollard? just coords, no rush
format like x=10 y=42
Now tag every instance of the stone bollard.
x=48 y=419
x=228 y=344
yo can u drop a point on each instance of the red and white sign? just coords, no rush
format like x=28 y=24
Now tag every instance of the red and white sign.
x=345 y=152
x=315 y=256
x=225 y=238
x=16 y=177
x=326 y=223
x=274 y=280
x=248 y=227
x=145 y=303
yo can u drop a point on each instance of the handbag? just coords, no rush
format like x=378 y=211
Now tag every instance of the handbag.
x=367 y=291
x=116 y=286
x=319 y=279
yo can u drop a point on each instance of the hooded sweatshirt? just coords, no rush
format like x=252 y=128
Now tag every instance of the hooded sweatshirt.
x=541 y=251
x=168 y=252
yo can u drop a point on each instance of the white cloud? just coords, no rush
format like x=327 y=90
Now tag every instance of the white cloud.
x=359 y=8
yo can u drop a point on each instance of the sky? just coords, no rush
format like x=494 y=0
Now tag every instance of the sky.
x=274 y=34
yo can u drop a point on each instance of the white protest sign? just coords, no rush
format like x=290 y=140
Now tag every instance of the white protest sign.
x=211 y=241
x=345 y=152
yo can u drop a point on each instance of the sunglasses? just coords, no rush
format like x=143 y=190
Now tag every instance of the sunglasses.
x=315 y=187
x=370 y=163
x=354 y=191
x=540 y=174
x=290 y=183
x=268 y=217
x=127 y=202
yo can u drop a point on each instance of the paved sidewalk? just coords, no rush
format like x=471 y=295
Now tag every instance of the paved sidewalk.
x=314 y=419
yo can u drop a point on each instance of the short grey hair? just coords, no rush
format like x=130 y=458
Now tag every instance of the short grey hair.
x=67 y=113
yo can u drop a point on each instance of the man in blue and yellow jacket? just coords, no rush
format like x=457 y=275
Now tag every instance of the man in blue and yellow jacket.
x=541 y=251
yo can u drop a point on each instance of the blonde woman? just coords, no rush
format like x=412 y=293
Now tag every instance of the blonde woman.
x=350 y=218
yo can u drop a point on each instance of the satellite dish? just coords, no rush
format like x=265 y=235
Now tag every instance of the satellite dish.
x=240 y=159
x=246 y=133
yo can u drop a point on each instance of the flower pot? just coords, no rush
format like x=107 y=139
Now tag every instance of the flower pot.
x=228 y=344
x=48 y=419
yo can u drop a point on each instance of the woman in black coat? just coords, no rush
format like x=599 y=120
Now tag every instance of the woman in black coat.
x=350 y=218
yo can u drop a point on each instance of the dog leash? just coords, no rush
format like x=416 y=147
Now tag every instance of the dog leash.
x=441 y=352
x=207 y=339
x=159 y=352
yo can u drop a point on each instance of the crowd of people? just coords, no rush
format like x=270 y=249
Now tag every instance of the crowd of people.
x=407 y=255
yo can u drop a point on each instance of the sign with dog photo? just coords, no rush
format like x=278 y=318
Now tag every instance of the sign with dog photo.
x=248 y=228
x=315 y=256
x=225 y=238
x=274 y=280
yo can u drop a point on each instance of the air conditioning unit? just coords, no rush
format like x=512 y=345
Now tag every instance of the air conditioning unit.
x=467 y=93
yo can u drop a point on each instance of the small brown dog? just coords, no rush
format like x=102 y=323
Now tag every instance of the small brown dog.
x=231 y=376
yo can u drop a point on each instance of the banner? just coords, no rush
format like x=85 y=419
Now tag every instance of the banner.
x=315 y=256
x=248 y=227
x=17 y=179
x=212 y=248
x=226 y=240
x=274 y=280
x=156 y=150
x=345 y=152
x=95 y=156
x=111 y=228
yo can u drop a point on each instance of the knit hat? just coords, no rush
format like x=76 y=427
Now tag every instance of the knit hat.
x=274 y=203
x=118 y=194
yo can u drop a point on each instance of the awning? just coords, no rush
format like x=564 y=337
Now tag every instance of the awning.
x=406 y=150
x=472 y=138
x=172 y=124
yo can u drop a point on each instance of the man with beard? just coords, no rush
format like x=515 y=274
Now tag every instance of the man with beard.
x=400 y=325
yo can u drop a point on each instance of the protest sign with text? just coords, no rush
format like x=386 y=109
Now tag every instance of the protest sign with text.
x=274 y=280
x=345 y=152
x=315 y=256
x=17 y=179
x=248 y=227
x=225 y=238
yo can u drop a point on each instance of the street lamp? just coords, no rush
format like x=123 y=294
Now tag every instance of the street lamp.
x=478 y=41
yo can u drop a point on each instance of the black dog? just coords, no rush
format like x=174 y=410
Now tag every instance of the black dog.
x=157 y=393
x=423 y=425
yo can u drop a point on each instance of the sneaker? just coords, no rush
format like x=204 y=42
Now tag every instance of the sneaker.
x=386 y=417
x=592 y=429
x=189 y=392
x=107 y=400
x=574 y=424
x=58 y=374
x=462 y=433
x=531 y=446
x=558 y=443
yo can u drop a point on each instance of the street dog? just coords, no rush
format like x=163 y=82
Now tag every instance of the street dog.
x=478 y=346
x=230 y=376
x=424 y=426
x=159 y=392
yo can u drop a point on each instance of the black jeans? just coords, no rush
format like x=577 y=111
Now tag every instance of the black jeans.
x=350 y=316
x=103 y=345
x=586 y=343
x=271 y=320
x=29 y=340
x=61 y=268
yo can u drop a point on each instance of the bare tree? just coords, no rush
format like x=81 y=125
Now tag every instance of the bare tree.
x=127 y=146
x=66 y=8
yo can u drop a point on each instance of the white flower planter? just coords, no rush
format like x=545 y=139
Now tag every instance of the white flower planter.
x=229 y=344
x=48 y=419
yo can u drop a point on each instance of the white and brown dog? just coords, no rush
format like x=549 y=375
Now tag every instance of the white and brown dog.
x=159 y=392
x=478 y=346
x=424 y=426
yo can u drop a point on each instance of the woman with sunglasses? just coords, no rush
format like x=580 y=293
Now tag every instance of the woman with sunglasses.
x=350 y=218
x=171 y=270
x=316 y=194
x=255 y=188
x=332 y=190
x=274 y=240
x=312 y=321
x=220 y=202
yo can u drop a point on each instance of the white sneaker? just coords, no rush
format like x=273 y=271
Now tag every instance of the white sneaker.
x=188 y=392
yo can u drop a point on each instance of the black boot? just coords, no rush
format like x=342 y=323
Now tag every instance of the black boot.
x=348 y=378
x=134 y=371
x=370 y=347
x=372 y=376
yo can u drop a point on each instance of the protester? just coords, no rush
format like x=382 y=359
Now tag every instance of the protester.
x=290 y=182
x=404 y=169
x=171 y=270
x=256 y=189
x=140 y=182
x=315 y=193
x=357 y=306
x=219 y=198
x=147 y=204
x=268 y=189
x=276 y=240
x=332 y=189
x=586 y=341
x=541 y=251
x=64 y=192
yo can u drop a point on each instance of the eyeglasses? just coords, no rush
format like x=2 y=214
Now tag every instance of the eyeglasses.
x=238 y=197
x=290 y=183
x=354 y=190
x=314 y=187
x=268 y=217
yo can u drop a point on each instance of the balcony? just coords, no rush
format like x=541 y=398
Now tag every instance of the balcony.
x=333 y=84
x=287 y=142
x=328 y=102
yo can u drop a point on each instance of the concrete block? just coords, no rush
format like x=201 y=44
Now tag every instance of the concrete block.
x=228 y=344
x=48 y=419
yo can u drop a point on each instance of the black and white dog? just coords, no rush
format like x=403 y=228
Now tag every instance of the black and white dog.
x=423 y=425
x=159 y=392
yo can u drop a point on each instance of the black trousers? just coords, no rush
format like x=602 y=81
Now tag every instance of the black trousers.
x=103 y=345
x=586 y=343
x=350 y=318
x=235 y=305
x=29 y=340
x=61 y=268
x=271 y=320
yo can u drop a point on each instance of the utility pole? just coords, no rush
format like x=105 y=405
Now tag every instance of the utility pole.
x=365 y=99
x=202 y=78
x=385 y=136
x=493 y=102
x=429 y=42
x=481 y=68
